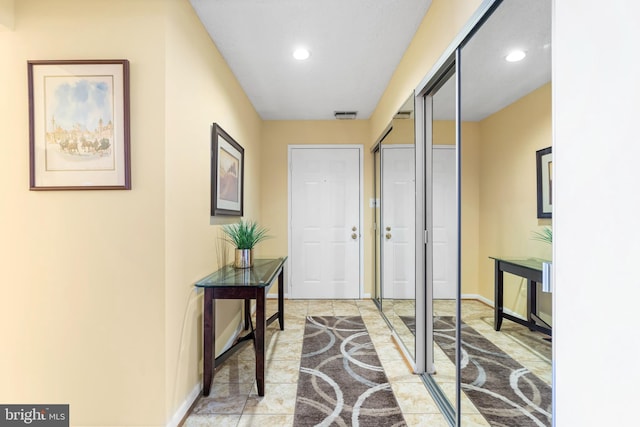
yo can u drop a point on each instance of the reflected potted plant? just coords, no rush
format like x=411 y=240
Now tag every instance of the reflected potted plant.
x=545 y=235
x=244 y=236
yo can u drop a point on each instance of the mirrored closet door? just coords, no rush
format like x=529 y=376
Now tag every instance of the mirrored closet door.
x=505 y=116
x=496 y=112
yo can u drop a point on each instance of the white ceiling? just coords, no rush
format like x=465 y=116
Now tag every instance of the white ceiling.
x=489 y=83
x=355 y=47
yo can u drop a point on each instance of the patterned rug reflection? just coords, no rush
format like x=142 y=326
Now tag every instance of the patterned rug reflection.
x=341 y=381
x=505 y=393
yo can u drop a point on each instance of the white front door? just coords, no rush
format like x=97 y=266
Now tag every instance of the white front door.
x=445 y=241
x=325 y=222
x=398 y=221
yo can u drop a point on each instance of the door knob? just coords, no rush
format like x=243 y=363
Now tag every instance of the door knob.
x=354 y=236
x=388 y=236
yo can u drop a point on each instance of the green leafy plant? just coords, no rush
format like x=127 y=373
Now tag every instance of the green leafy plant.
x=245 y=234
x=545 y=235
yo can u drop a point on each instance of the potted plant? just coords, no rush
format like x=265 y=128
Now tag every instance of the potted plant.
x=244 y=236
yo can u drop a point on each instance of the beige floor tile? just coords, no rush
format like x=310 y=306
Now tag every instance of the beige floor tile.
x=320 y=308
x=289 y=335
x=247 y=353
x=236 y=370
x=278 y=399
x=287 y=350
x=251 y=420
x=282 y=371
x=225 y=398
x=399 y=372
x=425 y=420
x=474 y=420
x=212 y=421
x=414 y=398
x=346 y=311
x=388 y=352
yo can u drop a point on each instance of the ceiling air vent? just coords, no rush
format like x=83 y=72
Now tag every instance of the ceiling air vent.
x=345 y=115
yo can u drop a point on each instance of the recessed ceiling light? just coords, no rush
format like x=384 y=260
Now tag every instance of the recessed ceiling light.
x=515 y=56
x=301 y=54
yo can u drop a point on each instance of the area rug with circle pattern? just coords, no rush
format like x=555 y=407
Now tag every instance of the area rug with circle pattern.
x=342 y=382
x=505 y=392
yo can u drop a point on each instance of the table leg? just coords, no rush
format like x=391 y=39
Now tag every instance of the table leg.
x=498 y=297
x=247 y=314
x=208 y=341
x=281 y=299
x=259 y=339
x=532 y=303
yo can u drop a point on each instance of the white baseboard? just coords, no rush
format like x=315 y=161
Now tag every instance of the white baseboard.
x=286 y=296
x=275 y=296
x=186 y=404
x=490 y=304
x=195 y=392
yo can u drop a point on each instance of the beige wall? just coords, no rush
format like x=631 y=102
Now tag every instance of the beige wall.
x=403 y=132
x=441 y=24
x=200 y=90
x=7 y=15
x=82 y=271
x=509 y=140
x=97 y=306
x=499 y=191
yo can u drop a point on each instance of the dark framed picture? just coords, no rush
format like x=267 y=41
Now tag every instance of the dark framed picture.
x=79 y=125
x=227 y=174
x=544 y=171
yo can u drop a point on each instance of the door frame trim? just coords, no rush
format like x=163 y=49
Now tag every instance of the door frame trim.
x=360 y=148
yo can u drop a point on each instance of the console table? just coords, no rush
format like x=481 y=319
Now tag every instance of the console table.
x=530 y=269
x=246 y=284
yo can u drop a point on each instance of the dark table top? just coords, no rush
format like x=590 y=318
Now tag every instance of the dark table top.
x=261 y=274
x=533 y=263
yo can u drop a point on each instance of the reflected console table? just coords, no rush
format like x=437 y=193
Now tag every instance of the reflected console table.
x=530 y=269
x=246 y=284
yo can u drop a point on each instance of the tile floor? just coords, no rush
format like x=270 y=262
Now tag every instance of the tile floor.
x=234 y=400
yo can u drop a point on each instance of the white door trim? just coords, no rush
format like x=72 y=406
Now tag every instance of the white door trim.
x=360 y=149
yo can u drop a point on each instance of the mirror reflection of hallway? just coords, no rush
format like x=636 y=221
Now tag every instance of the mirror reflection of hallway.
x=503 y=117
x=394 y=186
